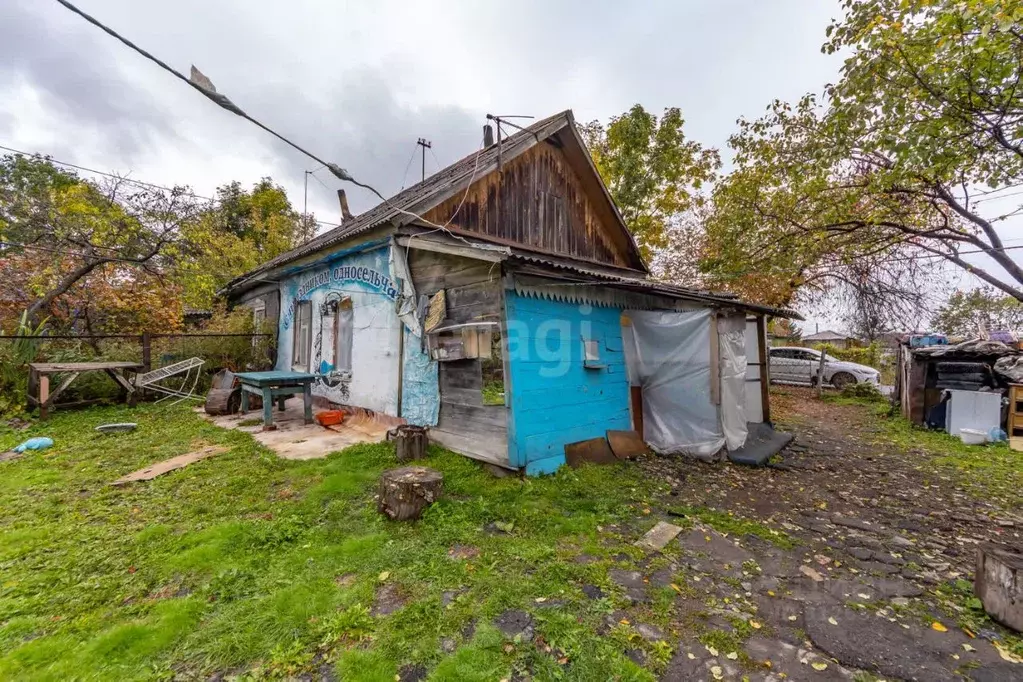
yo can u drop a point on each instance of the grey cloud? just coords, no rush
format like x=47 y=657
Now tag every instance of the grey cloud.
x=78 y=79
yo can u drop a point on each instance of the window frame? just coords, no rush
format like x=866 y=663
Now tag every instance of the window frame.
x=302 y=346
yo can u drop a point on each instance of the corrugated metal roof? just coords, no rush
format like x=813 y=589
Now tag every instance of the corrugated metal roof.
x=650 y=286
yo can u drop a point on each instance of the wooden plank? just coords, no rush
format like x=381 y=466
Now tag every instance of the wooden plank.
x=488 y=448
x=460 y=374
x=715 y=362
x=486 y=415
x=60 y=389
x=765 y=369
x=594 y=450
x=44 y=395
x=54 y=367
x=172 y=464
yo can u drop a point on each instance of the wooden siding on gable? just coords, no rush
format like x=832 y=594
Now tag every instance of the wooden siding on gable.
x=538 y=201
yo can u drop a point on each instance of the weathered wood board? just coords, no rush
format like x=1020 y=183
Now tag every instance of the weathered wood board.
x=160 y=468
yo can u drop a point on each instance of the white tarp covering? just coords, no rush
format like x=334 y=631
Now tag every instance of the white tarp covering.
x=405 y=306
x=732 y=341
x=668 y=355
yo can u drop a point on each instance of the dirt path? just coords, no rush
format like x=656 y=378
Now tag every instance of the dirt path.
x=848 y=557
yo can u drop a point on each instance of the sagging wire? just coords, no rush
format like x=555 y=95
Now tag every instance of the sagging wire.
x=206 y=88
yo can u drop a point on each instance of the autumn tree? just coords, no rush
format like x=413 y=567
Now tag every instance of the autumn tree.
x=62 y=229
x=968 y=313
x=901 y=158
x=653 y=172
x=233 y=235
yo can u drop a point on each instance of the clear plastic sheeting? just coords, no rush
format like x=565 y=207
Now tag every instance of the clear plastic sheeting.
x=668 y=356
x=732 y=342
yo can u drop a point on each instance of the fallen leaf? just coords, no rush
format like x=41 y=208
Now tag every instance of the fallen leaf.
x=508 y=648
x=624 y=621
x=770 y=593
x=831 y=619
x=540 y=600
x=939 y=627
x=711 y=650
x=1006 y=654
x=676 y=588
x=504 y=526
x=754 y=624
x=819 y=666
x=967 y=647
x=969 y=634
x=955 y=656
x=384 y=576
x=731 y=655
x=691 y=657
x=716 y=672
x=767 y=664
x=862 y=595
x=793 y=617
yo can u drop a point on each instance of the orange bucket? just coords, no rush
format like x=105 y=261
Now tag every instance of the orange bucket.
x=330 y=417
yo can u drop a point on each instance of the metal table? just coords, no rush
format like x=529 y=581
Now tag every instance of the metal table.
x=279 y=385
x=39 y=380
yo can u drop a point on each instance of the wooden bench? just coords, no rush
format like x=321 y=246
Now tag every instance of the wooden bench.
x=39 y=381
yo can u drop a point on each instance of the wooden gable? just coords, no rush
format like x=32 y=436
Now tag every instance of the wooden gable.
x=540 y=201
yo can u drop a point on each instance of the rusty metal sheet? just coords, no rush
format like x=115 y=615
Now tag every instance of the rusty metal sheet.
x=627 y=444
x=595 y=450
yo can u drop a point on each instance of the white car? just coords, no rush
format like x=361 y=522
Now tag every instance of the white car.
x=794 y=365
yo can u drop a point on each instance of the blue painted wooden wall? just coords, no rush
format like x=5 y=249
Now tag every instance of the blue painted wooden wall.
x=555 y=400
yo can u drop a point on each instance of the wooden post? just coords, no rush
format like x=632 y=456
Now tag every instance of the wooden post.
x=44 y=394
x=820 y=374
x=765 y=369
x=147 y=352
x=715 y=361
x=406 y=492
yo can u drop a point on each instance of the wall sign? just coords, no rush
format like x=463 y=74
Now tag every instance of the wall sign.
x=340 y=274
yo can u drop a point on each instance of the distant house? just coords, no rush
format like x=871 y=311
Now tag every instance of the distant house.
x=503 y=303
x=832 y=339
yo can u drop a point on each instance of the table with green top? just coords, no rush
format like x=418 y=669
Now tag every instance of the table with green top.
x=277 y=385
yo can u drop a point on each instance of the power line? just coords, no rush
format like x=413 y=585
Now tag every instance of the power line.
x=140 y=183
x=201 y=83
x=404 y=176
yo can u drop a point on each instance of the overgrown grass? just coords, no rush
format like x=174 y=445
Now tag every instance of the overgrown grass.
x=248 y=564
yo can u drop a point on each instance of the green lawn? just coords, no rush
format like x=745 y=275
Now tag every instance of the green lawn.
x=249 y=565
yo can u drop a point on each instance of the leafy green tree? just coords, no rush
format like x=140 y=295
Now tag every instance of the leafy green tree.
x=653 y=172
x=966 y=313
x=235 y=234
x=899 y=159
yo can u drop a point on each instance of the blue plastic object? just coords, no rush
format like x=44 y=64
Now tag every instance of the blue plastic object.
x=996 y=435
x=38 y=443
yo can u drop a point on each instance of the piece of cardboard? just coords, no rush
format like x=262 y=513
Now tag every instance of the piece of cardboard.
x=171 y=464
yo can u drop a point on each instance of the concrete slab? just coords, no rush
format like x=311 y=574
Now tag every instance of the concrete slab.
x=294 y=439
x=657 y=537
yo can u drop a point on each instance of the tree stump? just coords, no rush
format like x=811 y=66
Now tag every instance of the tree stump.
x=998 y=584
x=407 y=491
x=409 y=442
x=223 y=401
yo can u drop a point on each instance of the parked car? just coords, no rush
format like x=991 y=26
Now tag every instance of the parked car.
x=793 y=365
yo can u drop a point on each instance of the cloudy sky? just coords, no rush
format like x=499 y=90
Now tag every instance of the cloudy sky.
x=357 y=81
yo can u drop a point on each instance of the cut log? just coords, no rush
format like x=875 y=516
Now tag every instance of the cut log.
x=409 y=442
x=999 y=584
x=407 y=491
x=223 y=401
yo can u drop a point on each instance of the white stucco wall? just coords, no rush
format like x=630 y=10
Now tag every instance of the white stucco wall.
x=373 y=382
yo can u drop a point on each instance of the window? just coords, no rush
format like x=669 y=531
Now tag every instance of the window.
x=591 y=354
x=258 y=315
x=343 y=322
x=303 y=338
